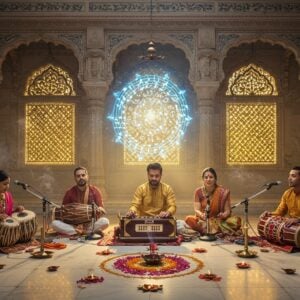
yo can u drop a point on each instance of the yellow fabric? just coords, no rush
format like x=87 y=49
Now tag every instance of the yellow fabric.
x=148 y=201
x=289 y=204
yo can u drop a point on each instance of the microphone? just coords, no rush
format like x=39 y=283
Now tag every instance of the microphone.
x=207 y=208
x=22 y=184
x=270 y=184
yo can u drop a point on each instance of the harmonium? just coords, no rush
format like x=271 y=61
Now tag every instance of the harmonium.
x=148 y=229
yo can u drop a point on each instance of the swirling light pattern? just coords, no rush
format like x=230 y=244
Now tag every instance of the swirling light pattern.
x=150 y=116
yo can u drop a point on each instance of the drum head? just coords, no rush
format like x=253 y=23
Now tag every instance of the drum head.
x=24 y=216
x=10 y=222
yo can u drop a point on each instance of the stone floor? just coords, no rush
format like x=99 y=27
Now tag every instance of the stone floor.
x=26 y=278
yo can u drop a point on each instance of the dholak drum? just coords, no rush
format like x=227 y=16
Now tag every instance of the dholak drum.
x=73 y=213
x=273 y=229
x=9 y=232
x=28 y=224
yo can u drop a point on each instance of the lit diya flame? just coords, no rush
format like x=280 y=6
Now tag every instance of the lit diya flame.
x=243 y=265
x=210 y=276
x=199 y=250
x=106 y=251
x=150 y=287
x=90 y=279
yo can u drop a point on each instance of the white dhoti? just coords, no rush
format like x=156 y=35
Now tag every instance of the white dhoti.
x=68 y=229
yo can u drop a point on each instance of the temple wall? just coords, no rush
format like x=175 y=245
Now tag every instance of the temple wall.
x=97 y=44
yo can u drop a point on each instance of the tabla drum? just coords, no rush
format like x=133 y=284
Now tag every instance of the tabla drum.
x=73 y=213
x=9 y=232
x=28 y=224
x=274 y=229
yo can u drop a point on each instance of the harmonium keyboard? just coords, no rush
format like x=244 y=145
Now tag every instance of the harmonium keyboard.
x=148 y=229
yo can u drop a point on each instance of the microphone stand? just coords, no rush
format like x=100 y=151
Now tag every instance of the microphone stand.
x=42 y=253
x=93 y=235
x=246 y=253
x=208 y=237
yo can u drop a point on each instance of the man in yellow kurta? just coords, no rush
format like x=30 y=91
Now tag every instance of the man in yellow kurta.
x=290 y=201
x=153 y=198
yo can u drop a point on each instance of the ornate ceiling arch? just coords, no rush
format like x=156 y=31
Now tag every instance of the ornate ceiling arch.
x=117 y=42
x=232 y=40
x=73 y=41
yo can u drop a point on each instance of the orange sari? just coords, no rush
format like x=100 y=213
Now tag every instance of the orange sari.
x=219 y=203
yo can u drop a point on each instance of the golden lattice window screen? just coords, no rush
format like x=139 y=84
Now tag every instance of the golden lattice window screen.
x=49 y=80
x=251 y=131
x=49 y=133
x=251 y=80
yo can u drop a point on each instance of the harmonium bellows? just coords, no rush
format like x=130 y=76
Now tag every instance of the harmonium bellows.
x=144 y=229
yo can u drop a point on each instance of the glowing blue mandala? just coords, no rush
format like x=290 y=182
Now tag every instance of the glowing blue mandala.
x=150 y=116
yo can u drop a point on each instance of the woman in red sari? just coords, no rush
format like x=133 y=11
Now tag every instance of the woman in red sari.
x=6 y=199
x=220 y=219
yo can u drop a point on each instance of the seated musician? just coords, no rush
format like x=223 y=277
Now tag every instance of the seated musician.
x=153 y=198
x=6 y=199
x=87 y=194
x=220 y=219
x=290 y=200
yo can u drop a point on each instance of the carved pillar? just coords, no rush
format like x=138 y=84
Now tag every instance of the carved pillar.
x=96 y=88
x=96 y=93
x=206 y=93
x=206 y=88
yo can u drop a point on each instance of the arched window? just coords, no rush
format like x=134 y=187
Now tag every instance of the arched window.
x=49 y=126
x=251 y=80
x=49 y=81
x=251 y=127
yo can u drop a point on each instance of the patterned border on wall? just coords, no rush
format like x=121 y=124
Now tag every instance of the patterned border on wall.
x=294 y=38
x=224 y=39
x=187 y=39
x=75 y=38
x=42 y=6
x=6 y=38
x=225 y=7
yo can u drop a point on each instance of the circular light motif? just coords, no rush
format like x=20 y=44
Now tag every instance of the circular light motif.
x=150 y=116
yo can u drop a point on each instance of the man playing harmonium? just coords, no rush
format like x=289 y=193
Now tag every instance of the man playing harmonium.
x=77 y=203
x=153 y=198
x=286 y=214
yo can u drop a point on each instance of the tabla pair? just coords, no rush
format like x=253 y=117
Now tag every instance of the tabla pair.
x=20 y=227
x=274 y=229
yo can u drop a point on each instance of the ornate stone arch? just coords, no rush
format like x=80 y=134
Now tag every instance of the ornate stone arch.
x=228 y=41
x=73 y=41
x=118 y=41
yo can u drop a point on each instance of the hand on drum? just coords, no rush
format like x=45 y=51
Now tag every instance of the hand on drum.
x=265 y=214
x=3 y=217
x=19 y=208
x=164 y=214
x=291 y=221
x=101 y=211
